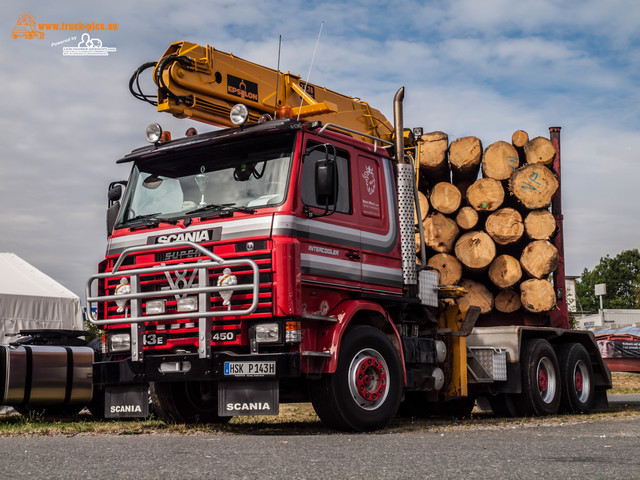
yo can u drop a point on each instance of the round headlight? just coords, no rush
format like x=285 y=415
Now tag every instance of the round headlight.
x=154 y=132
x=239 y=114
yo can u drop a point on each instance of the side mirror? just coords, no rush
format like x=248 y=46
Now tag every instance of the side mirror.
x=325 y=182
x=114 y=195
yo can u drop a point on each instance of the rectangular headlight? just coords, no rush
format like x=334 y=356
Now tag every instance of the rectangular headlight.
x=155 y=307
x=188 y=304
x=119 y=342
x=267 y=333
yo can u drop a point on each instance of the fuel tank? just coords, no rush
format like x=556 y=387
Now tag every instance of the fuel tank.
x=45 y=375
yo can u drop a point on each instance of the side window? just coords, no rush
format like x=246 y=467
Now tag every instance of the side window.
x=343 y=177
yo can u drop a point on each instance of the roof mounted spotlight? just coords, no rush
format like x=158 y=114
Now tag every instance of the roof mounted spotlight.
x=239 y=114
x=154 y=133
x=417 y=132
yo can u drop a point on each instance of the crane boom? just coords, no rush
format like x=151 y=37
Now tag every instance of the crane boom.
x=203 y=83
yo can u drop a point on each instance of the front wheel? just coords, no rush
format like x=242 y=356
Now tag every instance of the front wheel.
x=365 y=391
x=187 y=402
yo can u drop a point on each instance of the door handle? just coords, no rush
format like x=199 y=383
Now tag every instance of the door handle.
x=353 y=256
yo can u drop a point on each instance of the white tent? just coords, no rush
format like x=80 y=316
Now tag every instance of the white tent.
x=29 y=300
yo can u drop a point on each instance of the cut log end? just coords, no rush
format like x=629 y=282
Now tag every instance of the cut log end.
x=467 y=218
x=539 y=258
x=432 y=152
x=505 y=226
x=475 y=250
x=537 y=295
x=440 y=232
x=540 y=150
x=465 y=155
x=477 y=294
x=424 y=207
x=519 y=138
x=449 y=267
x=499 y=161
x=485 y=194
x=507 y=301
x=505 y=271
x=445 y=198
x=540 y=225
x=533 y=186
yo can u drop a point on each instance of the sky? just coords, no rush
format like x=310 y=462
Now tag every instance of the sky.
x=468 y=67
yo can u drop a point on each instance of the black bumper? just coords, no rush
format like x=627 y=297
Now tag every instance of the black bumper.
x=190 y=366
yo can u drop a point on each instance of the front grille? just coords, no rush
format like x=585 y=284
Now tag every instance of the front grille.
x=180 y=278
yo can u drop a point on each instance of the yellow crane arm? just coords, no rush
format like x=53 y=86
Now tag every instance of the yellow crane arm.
x=204 y=84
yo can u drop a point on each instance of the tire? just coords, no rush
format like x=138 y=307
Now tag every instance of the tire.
x=365 y=391
x=578 y=392
x=186 y=402
x=541 y=383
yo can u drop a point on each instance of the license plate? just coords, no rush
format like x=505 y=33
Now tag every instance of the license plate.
x=250 y=369
x=153 y=339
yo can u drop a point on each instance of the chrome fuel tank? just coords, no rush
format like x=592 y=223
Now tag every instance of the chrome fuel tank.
x=45 y=375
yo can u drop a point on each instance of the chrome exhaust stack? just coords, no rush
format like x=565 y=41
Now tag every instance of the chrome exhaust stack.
x=405 y=185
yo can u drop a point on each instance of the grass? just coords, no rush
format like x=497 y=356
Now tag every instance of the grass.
x=300 y=419
x=625 y=383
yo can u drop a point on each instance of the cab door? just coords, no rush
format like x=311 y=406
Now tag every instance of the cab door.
x=375 y=213
x=330 y=235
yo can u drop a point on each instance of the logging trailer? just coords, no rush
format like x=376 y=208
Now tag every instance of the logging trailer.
x=274 y=260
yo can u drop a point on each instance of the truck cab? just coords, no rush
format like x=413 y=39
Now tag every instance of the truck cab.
x=243 y=253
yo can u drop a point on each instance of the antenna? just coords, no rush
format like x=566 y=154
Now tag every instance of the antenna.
x=310 y=66
x=275 y=113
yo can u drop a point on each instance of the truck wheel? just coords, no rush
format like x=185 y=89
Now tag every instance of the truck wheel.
x=578 y=394
x=365 y=391
x=187 y=402
x=540 y=379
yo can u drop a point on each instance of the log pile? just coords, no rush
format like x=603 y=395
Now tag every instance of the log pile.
x=486 y=218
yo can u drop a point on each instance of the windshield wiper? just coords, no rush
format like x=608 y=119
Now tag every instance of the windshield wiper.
x=210 y=206
x=222 y=209
x=152 y=220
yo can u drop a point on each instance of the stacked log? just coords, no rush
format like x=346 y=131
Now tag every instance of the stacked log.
x=488 y=226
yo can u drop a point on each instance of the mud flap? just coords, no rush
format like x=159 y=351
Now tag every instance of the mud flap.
x=126 y=401
x=248 y=398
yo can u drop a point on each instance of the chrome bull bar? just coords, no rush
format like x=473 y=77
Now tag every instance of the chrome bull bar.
x=204 y=313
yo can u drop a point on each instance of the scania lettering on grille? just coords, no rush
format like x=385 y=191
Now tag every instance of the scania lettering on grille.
x=197 y=236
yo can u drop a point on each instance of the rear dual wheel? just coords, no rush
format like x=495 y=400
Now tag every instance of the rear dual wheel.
x=578 y=392
x=364 y=392
x=541 y=382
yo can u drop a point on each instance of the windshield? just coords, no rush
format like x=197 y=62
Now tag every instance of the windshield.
x=216 y=178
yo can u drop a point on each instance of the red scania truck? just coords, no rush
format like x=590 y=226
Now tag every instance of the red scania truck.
x=274 y=261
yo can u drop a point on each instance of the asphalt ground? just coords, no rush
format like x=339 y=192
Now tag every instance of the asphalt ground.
x=589 y=450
